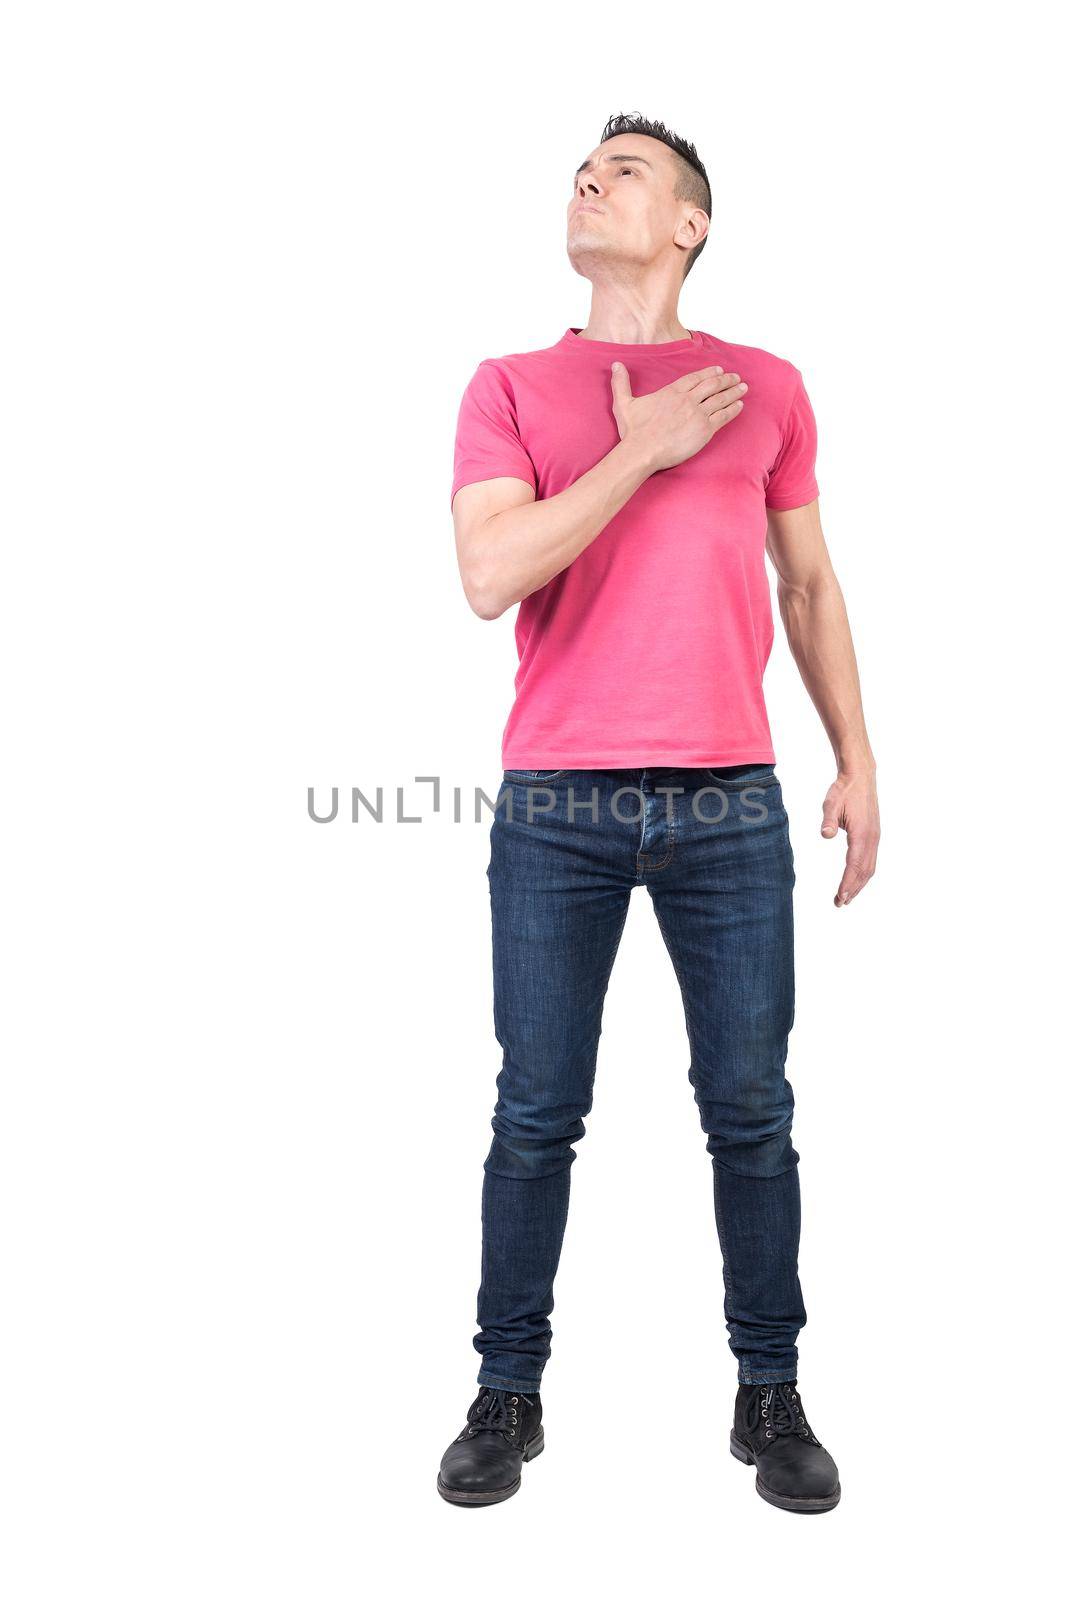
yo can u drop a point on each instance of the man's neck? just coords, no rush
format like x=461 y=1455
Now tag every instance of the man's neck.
x=623 y=316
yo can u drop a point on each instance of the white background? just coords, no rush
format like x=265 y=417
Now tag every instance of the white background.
x=253 y=254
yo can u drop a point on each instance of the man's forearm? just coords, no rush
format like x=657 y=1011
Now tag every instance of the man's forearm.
x=817 y=627
x=522 y=547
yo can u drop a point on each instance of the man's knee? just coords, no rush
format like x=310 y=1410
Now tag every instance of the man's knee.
x=529 y=1144
x=752 y=1138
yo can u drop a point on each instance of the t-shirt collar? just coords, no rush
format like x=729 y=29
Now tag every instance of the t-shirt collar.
x=572 y=341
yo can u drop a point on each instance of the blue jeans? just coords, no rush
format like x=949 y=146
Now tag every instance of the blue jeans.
x=566 y=849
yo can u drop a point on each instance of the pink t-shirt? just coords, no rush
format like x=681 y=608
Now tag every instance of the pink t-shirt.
x=650 y=648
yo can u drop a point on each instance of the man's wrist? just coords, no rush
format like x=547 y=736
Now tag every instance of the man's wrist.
x=856 y=764
x=634 y=456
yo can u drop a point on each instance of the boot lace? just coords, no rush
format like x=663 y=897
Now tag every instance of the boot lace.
x=495 y=1411
x=773 y=1411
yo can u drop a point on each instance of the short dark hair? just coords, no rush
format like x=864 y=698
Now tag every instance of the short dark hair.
x=691 y=183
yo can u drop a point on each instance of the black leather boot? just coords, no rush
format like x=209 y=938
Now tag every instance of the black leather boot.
x=794 y=1471
x=484 y=1462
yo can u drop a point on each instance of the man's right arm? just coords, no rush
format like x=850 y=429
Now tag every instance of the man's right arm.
x=509 y=544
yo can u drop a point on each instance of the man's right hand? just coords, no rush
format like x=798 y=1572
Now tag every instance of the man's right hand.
x=673 y=423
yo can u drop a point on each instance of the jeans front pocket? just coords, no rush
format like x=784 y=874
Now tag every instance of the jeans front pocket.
x=752 y=775
x=532 y=775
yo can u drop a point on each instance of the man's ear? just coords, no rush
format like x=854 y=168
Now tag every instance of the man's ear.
x=693 y=228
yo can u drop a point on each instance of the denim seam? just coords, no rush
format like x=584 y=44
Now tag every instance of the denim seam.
x=728 y=1277
x=619 y=935
x=643 y=869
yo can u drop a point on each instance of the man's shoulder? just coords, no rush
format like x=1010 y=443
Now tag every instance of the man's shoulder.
x=753 y=358
x=517 y=362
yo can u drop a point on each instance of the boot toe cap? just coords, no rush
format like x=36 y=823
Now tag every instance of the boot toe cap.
x=810 y=1474
x=479 y=1466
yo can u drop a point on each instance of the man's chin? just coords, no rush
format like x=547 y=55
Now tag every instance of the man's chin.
x=588 y=255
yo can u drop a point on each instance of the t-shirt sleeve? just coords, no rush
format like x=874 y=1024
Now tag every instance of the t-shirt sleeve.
x=487 y=432
x=792 y=481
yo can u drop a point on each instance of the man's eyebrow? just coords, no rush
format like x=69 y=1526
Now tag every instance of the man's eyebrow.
x=589 y=163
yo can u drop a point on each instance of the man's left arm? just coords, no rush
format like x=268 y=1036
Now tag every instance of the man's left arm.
x=814 y=616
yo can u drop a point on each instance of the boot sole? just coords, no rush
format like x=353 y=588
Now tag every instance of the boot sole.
x=806 y=1504
x=490 y=1497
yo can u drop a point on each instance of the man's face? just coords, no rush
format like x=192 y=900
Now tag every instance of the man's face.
x=623 y=209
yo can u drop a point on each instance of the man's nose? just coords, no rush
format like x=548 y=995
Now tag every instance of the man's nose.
x=589 y=186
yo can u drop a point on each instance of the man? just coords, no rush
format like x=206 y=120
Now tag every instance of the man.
x=622 y=485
